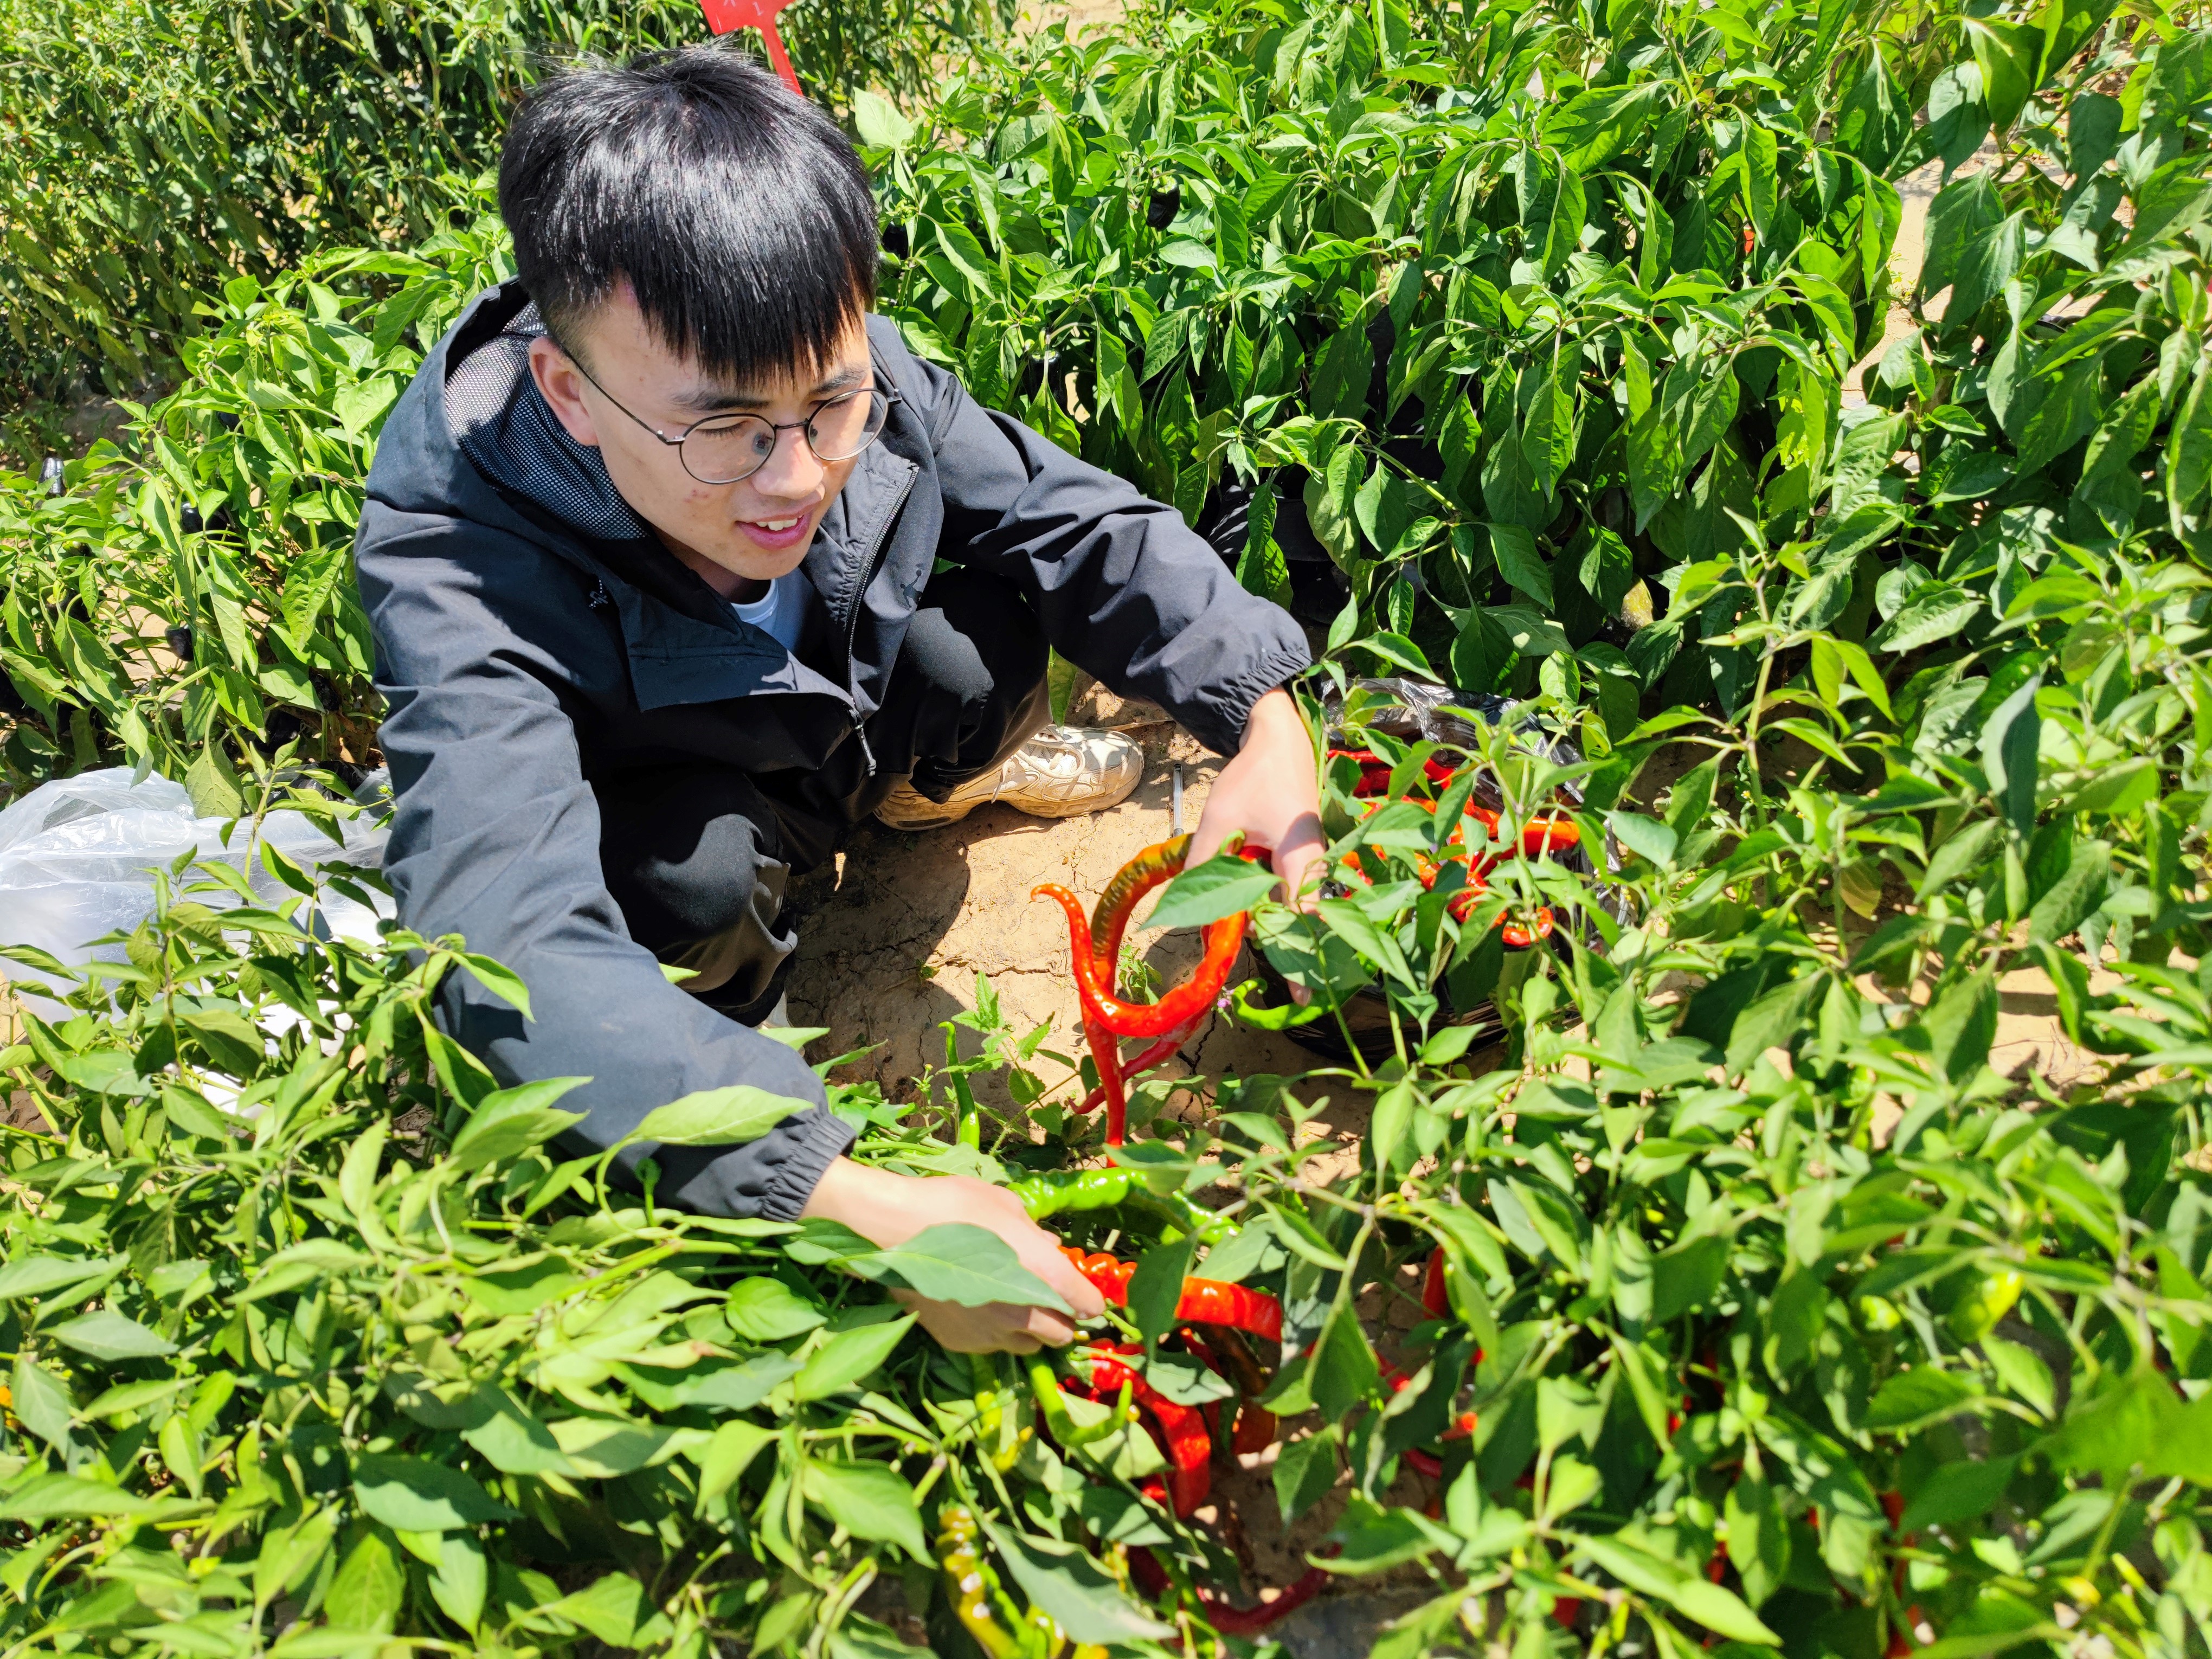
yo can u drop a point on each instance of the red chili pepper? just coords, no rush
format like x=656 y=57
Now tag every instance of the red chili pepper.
x=1111 y=1278
x=1182 y=1431
x=1537 y=838
x=1210 y=1302
x=1256 y=1429
x=1375 y=771
x=1250 y=1621
x=1436 y=1297
x=1203 y=1301
x=1153 y=1579
x=1096 y=945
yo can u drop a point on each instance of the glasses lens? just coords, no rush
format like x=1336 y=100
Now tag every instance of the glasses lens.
x=842 y=428
x=725 y=451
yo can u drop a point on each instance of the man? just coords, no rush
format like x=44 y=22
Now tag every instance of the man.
x=681 y=566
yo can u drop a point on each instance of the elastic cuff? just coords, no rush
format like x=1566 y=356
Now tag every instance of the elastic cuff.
x=820 y=1139
x=1232 y=706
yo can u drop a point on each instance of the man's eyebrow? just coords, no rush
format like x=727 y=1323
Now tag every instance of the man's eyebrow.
x=717 y=400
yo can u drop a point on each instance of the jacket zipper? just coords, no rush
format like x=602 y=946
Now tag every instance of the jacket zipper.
x=852 y=618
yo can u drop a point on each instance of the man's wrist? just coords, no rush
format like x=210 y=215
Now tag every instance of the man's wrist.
x=1275 y=715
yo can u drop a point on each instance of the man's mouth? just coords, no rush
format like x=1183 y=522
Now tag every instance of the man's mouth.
x=777 y=533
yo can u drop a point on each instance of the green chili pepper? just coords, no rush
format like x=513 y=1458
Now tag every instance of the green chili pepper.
x=1062 y=1190
x=967 y=1121
x=1052 y=1406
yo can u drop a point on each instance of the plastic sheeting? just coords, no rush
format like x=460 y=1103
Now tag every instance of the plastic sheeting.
x=77 y=857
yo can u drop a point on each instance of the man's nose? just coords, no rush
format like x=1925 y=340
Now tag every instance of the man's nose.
x=792 y=470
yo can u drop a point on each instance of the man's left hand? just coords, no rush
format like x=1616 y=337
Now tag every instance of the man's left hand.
x=1269 y=791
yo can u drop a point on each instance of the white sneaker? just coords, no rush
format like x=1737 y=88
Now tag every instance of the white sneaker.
x=1062 y=772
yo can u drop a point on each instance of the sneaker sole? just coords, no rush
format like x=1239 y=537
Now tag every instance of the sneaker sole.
x=1050 y=809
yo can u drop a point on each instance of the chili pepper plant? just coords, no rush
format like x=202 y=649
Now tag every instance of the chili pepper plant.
x=1733 y=1289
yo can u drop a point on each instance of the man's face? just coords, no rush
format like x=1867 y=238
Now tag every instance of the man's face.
x=752 y=530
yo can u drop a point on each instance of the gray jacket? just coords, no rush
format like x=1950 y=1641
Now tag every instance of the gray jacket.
x=519 y=654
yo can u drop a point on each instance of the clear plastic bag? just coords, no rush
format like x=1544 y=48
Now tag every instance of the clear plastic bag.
x=77 y=858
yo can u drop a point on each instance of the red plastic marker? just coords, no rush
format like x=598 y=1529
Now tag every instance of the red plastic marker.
x=723 y=15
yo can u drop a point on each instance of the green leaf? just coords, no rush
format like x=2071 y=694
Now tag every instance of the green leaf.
x=718 y=1117
x=110 y=1335
x=510 y=1121
x=1688 y=1276
x=729 y=1455
x=1224 y=885
x=413 y=1494
x=764 y=1309
x=1156 y=1287
x=611 y=1607
x=1070 y=1586
x=1758 y=1537
x=1304 y=1472
x=879 y=122
x=58 y=1497
x=1717 y=1609
x=1398 y=651
x=1344 y=1367
x=1649 y=839
x=458 y=1586
x=514 y=1442
x=957 y=1261
x=301 y=1264
x=42 y=1276
x=869 y=1500
x=2138 y=1422
x=367 y=1592
x=213 y=786
x=2007 y=55
x=1912 y=1398
x=1935 y=612
x=498 y=979
x=2073 y=895
x=1515 y=550
x=2010 y=741
x=1965 y=1489
x=851 y=1357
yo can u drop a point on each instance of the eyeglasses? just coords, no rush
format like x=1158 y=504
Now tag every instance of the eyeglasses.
x=725 y=449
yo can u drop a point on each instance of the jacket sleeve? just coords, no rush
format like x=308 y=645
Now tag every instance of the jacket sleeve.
x=496 y=838
x=1125 y=588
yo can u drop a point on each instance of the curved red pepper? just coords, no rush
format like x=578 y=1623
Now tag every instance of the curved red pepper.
x=1096 y=946
x=1203 y=1302
x=1153 y=1579
x=1180 y=1429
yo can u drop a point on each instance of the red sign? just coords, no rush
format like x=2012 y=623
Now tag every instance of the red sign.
x=723 y=15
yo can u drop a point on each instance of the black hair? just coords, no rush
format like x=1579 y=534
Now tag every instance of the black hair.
x=738 y=213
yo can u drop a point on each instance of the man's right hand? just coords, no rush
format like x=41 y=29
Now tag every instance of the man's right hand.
x=888 y=1209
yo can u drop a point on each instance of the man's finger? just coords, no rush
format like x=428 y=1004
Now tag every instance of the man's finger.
x=1294 y=861
x=1206 y=840
x=1050 y=1328
x=1078 y=1292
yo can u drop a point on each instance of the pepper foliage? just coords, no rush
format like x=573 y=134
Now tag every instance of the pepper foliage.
x=1788 y=1318
x=155 y=151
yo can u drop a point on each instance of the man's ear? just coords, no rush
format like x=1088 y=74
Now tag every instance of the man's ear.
x=560 y=384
